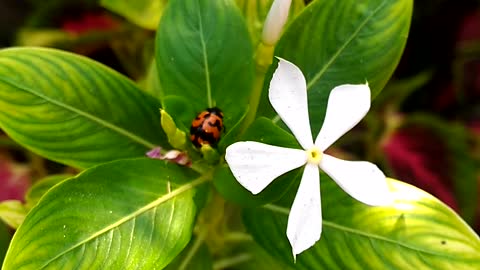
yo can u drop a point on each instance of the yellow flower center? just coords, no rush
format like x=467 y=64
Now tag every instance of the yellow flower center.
x=314 y=155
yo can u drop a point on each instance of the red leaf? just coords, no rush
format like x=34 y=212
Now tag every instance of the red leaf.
x=14 y=180
x=420 y=158
x=90 y=22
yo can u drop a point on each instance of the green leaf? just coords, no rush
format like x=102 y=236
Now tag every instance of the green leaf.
x=204 y=54
x=255 y=13
x=397 y=90
x=41 y=187
x=12 y=212
x=416 y=232
x=343 y=42
x=180 y=109
x=5 y=237
x=127 y=214
x=265 y=131
x=73 y=110
x=226 y=184
x=145 y=13
x=262 y=130
x=260 y=260
x=232 y=133
x=194 y=257
x=151 y=83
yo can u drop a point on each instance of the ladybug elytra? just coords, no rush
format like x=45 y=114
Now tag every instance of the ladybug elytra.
x=207 y=127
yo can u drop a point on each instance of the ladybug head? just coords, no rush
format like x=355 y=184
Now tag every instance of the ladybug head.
x=216 y=111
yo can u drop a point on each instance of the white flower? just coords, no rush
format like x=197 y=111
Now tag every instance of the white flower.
x=255 y=165
x=276 y=19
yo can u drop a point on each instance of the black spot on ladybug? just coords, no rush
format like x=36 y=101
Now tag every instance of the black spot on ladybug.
x=207 y=127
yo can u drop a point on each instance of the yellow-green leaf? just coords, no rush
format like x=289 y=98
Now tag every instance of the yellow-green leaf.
x=416 y=232
x=73 y=110
x=145 y=13
x=127 y=214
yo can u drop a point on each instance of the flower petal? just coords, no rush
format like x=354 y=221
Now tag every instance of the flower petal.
x=255 y=165
x=276 y=19
x=362 y=180
x=288 y=96
x=305 y=219
x=347 y=105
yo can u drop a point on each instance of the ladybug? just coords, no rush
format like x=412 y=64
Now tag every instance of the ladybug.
x=207 y=127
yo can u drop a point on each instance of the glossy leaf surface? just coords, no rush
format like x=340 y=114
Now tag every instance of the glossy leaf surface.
x=127 y=214
x=204 y=54
x=262 y=130
x=416 y=232
x=41 y=187
x=73 y=110
x=343 y=42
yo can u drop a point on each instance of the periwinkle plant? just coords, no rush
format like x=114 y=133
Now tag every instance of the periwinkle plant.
x=192 y=206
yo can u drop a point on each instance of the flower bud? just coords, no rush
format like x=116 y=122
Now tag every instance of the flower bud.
x=209 y=154
x=176 y=137
x=276 y=19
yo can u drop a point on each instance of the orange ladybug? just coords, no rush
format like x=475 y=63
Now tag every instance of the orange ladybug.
x=207 y=127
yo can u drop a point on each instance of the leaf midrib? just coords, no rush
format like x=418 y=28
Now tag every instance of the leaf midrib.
x=344 y=45
x=86 y=115
x=334 y=57
x=171 y=195
x=337 y=53
x=370 y=236
x=205 y=60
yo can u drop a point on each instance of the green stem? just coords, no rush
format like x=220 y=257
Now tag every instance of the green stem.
x=196 y=245
x=263 y=60
x=277 y=209
x=199 y=168
x=234 y=237
x=229 y=262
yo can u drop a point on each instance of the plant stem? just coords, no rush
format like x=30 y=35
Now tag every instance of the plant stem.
x=263 y=60
x=198 y=167
x=277 y=209
x=196 y=245
x=229 y=262
x=238 y=237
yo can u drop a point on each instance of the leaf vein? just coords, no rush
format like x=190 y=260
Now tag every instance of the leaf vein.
x=109 y=247
x=285 y=211
x=130 y=240
x=86 y=115
x=189 y=186
x=342 y=48
x=205 y=60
